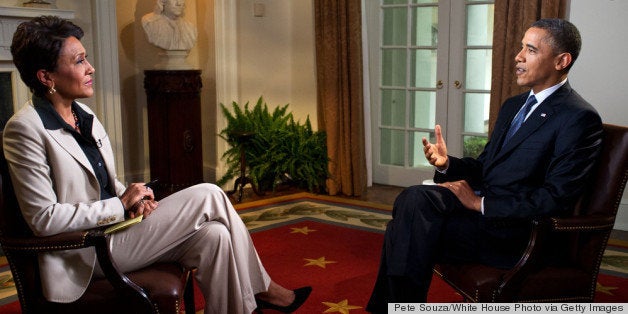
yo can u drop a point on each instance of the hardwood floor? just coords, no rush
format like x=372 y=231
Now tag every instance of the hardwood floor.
x=381 y=194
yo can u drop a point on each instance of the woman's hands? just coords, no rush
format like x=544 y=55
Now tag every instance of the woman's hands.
x=138 y=199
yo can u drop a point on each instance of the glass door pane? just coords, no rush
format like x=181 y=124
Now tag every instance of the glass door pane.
x=393 y=111
x=423 y=68
x=425 y=26
x=433 y=66
x=394 y=73
x=422 y=109
x=478 y=67
x=407 y=93
x=395 y=26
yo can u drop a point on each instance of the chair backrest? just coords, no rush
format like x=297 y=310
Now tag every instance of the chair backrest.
x=603 y=197
x=24 y=267
x=12 y=222
x=609 y=179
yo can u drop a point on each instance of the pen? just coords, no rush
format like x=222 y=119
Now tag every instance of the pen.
x=151 y=184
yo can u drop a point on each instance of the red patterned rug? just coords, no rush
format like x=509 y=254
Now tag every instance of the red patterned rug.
x=339 y=263
x=334 y=245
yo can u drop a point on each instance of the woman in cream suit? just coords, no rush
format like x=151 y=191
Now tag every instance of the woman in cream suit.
x=62 y=167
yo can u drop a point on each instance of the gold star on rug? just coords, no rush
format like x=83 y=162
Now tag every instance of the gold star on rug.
x=342 y=307
x=320 y=262
x=604 y=289
x=305 y=230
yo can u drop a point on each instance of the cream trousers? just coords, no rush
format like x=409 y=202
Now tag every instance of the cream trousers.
x=198 y=227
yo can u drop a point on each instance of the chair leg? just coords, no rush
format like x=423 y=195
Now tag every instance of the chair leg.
x=188 y=294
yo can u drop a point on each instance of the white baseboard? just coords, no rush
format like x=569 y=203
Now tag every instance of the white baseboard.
x=621 y=222
x=209 y=174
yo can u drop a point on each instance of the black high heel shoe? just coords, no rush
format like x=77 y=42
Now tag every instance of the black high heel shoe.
x=300 y=295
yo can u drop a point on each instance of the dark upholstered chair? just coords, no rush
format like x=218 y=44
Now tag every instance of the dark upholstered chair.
x=159 y=288
x=584 y=235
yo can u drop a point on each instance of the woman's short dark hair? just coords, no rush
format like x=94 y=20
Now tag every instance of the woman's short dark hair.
x=36 y=45
x=564 y=37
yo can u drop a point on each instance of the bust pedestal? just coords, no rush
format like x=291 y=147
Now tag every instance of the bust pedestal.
x=174 y=128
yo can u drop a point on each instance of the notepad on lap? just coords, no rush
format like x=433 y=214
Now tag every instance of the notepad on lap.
x=124 y=224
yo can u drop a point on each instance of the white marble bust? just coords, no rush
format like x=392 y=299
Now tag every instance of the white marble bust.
x=166 y=28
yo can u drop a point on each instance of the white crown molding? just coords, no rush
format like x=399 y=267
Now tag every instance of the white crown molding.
x=26 y=12
x=11 y=17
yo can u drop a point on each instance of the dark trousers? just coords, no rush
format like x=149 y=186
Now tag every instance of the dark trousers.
x=429 y=224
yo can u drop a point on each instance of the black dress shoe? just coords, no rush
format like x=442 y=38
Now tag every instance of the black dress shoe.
x=300 y=295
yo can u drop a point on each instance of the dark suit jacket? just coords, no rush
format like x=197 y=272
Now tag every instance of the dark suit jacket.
x=543 y=168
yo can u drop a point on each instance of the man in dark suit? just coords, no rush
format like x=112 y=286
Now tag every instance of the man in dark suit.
x=536 y=163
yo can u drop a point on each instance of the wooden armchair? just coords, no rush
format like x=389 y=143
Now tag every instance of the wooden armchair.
x=159 y=288
x=585 y=235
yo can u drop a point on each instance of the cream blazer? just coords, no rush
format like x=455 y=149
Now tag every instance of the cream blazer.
x=58 y=191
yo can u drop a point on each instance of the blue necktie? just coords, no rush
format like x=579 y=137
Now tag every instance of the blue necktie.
x=519 y=118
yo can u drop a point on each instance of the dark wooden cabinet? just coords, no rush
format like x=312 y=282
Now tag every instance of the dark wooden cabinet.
x=174 y=128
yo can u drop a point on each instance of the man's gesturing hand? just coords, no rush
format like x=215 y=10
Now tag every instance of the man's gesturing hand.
x=436 y=154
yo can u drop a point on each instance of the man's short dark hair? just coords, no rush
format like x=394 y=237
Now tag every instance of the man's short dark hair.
x=563 y=37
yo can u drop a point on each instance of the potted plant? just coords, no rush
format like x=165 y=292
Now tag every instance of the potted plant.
x=279 y=151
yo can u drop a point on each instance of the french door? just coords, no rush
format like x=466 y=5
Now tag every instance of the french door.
x=429 y=63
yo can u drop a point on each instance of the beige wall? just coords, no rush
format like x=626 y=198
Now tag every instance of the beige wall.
x=276 y=55
x=136 y=54
x=275 y=60
x=600 y=72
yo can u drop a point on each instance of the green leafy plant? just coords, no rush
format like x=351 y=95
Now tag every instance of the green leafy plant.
x=473 y=146
x=280 y=151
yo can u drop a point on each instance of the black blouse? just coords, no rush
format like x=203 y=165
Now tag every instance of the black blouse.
x=53 y=121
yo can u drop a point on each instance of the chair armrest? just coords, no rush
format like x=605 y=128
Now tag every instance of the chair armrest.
x=62 y=241
x=96 y=238
x=582 y=223
x=541 y=229
x=118 y=279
